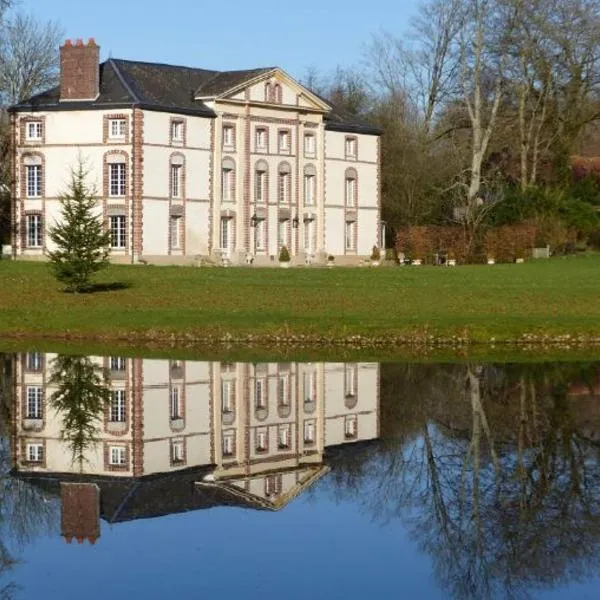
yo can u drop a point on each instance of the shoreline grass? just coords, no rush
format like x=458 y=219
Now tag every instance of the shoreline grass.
x=546 y=301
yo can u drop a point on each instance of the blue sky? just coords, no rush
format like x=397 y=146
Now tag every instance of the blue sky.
x=229 y=35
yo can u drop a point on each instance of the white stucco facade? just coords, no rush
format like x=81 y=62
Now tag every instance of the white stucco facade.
x=261 y=171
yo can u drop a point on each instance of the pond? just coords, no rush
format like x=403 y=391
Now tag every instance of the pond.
x=181 y=478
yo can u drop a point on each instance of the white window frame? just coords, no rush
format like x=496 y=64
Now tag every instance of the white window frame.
x=283 y=437
x=33 y=174
x=261 y=440
x=117 y=225
x=309 y=431
x=33 y=362
x=117 y=456
x=351 y=147
x=350 y=377
x=35 y=234
x=309 y=235
x=35 y=400
x=118 y=363
x=228 y=136
x=310 y=188
x=177 y=131
x=176 y=188
x=284 y=188
x=260 y=393
x=284 y=141
x=175 y=232
x=117 y=129
x=175 y=403
x=228 y=444
x=225 y=233
x=35 y=452
x=227 y=387
x=351 y=426
x=260 y=139
x=310 y=145
x=350 y=189
x=260 y=186
x=118 y=406
x=117 y=179
x=349 y=235
x=260 y=231
x=33 y=131
x=283 y=233
x=177 y=451
x=227 y=184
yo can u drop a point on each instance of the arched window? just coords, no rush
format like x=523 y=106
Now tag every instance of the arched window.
x=261 y=172
x=228 y=180
x=268 y=92
x=277 y=93
x=116 y=174
x=351 y=177
x=310 y=185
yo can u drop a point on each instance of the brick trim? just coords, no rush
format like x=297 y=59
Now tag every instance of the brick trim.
x=23 y=121
x=137 y=416
x=137 y=182
x=23 y=178
x=24 y=403
x=33 y=463
x=24 y=229
x=15 y=204
x=106 y=128
x=117 y=468
x=351 y=212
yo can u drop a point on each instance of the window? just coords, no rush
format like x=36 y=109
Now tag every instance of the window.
x=228 y=136
x=278 y=94
x=260 y=185
x=117 y=179
x=283 y=234
x=34 y=401
x=309 y=432
x=260 y=400
x=227 y=180
x=261 y=139
x=117 y=129
x=34 y=181
x=227 y=396
x=310 y=386
x=228 y=445
x=176 y=181
x=283 y=437
x=284 y=187
x=175 y=402
x=117 y=363
x=272 y=485
x=177 y=451
x=225 y=233
x=259 y=233
x=262 y=440
x=283 y=387
x=284 y=141
x=116 y=455
x=268 y=92
x=310 y=146
x=117 y=407
x=116 y=225
x=350 y=377
x=175 y=232
x=350 y=235
x=34 y=231
x=310 y=183
x=177 y=131
x=34 y=130
x=309 y=235
x=351 y=426
x=35 y=452
x=350 y=188
x=351 y=147
x=33 y=362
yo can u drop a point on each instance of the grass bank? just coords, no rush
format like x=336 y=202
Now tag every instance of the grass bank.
x=552 y=301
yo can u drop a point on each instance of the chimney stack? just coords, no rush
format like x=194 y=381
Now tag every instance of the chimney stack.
x=79 y=70
x=80 y=512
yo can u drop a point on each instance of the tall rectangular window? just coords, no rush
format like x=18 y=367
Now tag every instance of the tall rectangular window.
x=34 y=401
x=117 y=229
x=283 y=237
x=284 y=141
x=228 y=136
x=228 y=443
x=225 y=233
x=350 y=230
x=309 y=432
x=260 y=400
x=350 y=191
x=284 y=188
x=177 y=131
x=351 y=426
x=175 y=402
x=34 y=231
x=309 y=229
x=33 y=362
x=350 y=377
x=260 y=186
x=227 y=184
x=177 y=451
x=117 y=407
x=34 y=181
x=175 y=181
x=283 y=387
x=284 y=436
x=351 y=147
x=259 y=232
x=227 y=396
x=118 y=363
x=117 y=455
x=34 y=131
x=175 y=232
x=35 y=452
x=117 y=179
x=309 y=190
x=262 y=440
x=261 y=139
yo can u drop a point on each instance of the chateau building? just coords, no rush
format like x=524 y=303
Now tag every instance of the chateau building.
x=191 y=164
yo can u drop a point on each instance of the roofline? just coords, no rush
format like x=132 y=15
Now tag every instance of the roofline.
x=122 y=80
x=353 y=128
x=87 y=105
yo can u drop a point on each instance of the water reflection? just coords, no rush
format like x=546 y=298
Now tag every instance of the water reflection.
x=131 y=438
x=492 y=469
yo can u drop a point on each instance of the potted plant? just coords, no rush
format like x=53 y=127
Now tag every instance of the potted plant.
x=284 y=257
x=330 y=260
x=375 y=256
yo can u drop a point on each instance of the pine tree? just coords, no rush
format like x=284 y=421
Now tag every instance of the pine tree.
x=82 y=245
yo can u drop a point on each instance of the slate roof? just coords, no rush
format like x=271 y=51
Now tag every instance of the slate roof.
x=172 y=88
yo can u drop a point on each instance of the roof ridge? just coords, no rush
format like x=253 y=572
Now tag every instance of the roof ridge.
x=162 y=64
x=116 y=69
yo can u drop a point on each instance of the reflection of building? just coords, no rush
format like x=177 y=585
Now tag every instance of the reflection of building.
x=203 y=433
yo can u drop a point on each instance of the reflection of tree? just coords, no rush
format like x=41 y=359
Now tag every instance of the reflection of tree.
x=81 y=395
x=494 y=471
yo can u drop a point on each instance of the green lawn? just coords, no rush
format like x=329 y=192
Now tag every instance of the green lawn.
x=553 y=297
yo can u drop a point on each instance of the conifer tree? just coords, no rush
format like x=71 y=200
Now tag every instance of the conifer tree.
x=82 y=245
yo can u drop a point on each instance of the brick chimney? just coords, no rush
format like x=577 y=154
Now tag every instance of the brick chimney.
x=79 y=70
x=80 y=517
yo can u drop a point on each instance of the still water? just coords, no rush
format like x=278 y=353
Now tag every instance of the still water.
x=135 y=477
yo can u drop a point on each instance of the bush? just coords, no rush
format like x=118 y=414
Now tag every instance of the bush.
x=284 y=254
x=375 y=253
x=509 y=242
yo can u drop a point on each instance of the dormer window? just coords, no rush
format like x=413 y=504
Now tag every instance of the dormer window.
x=34 y=131
x=117 y=129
